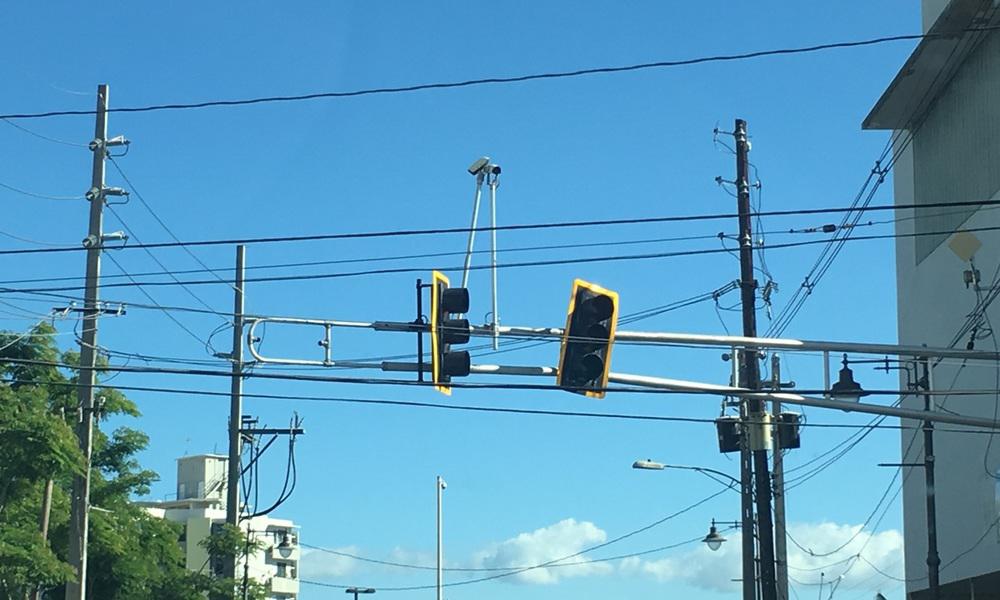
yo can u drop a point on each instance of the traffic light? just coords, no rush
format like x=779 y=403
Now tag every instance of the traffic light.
x=585 y=355
x=445 y=331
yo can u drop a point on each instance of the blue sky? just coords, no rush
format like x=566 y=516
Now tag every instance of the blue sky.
x=521 y=488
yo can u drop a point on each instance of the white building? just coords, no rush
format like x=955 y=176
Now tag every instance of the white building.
x=944 y=110
x=201 y=506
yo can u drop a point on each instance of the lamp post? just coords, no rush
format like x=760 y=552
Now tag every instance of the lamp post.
x=359 y=590
x=848 y=389
x=715 y=541
x=924 y=384
x=441 y=485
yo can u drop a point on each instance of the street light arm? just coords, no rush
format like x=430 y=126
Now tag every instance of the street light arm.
x=656 y=466
x=706 y=471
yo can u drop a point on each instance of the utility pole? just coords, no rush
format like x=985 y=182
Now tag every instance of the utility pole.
x=778 y=477
x=746 y=499
x=933 y=560
x=80 y=502
x=235 y=408
x=750 y=369
x=441 y=485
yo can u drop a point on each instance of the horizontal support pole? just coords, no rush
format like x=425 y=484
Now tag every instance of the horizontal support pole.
x=649 y=337
x=875 y=409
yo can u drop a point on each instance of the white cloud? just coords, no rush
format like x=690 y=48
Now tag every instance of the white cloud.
x=317 y=564
x=716 y=570
x=565 y=538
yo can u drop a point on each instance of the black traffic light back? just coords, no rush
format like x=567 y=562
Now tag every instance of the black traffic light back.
x=585 y=356
x=445 y=331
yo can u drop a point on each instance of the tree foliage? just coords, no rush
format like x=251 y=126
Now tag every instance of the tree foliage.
x=132 y=554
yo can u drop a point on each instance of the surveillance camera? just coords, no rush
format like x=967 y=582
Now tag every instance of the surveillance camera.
x=494 y=169
x=477 y=166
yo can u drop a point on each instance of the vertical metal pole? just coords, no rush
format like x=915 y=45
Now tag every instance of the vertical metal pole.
x=751 y=368
x=493 y=257
x=826 y=374
x=420 y=334
x=441 y=485
x=933 y=560
x=778 y=477
x=80 y=508
x=235 y=407
x=472 y=228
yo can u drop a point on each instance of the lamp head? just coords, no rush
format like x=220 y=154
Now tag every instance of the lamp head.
x=846 y=388
x=713 y=540
x=649 y=465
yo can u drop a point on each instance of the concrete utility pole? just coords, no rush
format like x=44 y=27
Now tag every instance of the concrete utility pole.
x=235 y=408
x=80 y=502
x=778 y=477
x=750 y=368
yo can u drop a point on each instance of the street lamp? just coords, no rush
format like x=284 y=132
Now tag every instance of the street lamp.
x=713 y=540
x=651 y=465
x=846 y=388
x=357 y=590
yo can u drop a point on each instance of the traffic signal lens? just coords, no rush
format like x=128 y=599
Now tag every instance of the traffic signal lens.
x=598 y=308
x=592 y=366
x=597 y=333
x=457 y=364
x=455 y=300
x=455 y=331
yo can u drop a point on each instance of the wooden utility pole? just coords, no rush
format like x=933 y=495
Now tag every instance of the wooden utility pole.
x=754 y=416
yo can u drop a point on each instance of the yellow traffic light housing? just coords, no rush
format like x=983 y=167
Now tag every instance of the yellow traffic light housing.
x=585 y=354
x=446 y=330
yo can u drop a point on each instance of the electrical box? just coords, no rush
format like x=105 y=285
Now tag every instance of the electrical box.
x=787 y=428
x=728 y=429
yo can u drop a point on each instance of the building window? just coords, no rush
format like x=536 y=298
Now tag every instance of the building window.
x=282 y=569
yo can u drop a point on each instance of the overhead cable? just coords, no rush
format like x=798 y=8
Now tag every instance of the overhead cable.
x=504 y=80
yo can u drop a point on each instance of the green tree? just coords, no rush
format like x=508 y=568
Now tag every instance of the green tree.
x=132 y=554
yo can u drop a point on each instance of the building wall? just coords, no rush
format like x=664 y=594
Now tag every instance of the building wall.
x=955 y=155
x=202 y=476
x=200 y=507
x=930 y=10
x=933 y=303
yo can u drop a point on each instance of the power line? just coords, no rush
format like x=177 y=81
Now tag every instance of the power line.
x=373 y=259
x=517 y=227
x=149 y=297
x=426 y=384
x=830 y=253
x=514 y=265
x=43 y=137
x=405 y=257
x=159 y=263
x=564 y=558
x=504 y=80
x=37 y=195
x=149 y=209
